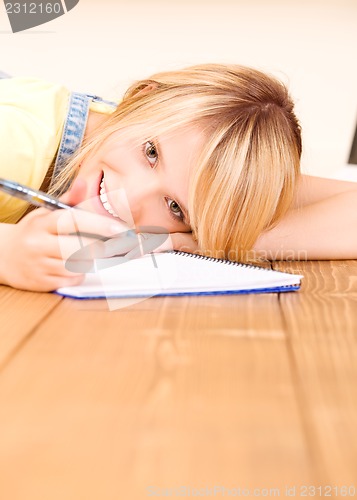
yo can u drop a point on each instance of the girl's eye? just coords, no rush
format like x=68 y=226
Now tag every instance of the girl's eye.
x=151 y=153
x=175 y=209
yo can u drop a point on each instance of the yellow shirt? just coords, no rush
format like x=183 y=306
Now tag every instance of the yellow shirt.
x=32 y=117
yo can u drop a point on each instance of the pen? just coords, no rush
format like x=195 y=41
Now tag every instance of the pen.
x=41 y=199
x=33 y=196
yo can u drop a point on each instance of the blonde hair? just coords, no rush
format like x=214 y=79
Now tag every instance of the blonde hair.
x=245 y=177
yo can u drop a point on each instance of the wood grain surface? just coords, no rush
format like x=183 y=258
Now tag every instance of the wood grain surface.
x=178 y=395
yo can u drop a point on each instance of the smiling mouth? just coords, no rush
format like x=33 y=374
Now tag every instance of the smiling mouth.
x=104 y=199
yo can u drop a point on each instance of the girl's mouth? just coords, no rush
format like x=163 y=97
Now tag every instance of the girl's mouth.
x=104 y=199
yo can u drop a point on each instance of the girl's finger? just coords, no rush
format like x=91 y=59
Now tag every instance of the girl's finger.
x=74 y=221
x=80 y=222
x=63 y=247
x=121 y=244
x=51 y=283
x=83 y=260
x=151 y=242
x=57 y=267
x=184 y=242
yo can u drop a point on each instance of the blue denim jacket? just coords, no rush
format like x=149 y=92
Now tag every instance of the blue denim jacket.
x=74 y=127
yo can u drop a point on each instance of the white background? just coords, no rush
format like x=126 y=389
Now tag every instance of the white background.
x=101 y=46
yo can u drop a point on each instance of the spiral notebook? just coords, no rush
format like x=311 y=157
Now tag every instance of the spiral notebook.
x=177 y=273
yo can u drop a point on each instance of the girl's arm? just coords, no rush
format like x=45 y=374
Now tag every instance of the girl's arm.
x=325 y=228
x=322 y=224
x=313 y=189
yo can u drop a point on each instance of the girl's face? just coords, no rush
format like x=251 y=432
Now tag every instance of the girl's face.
x=144 y=185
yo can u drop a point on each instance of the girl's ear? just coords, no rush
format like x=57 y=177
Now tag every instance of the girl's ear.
x=145 y=89
x=149 y=87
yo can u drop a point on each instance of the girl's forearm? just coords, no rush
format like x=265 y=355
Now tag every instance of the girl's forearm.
x=323 y=230
x=312 y=189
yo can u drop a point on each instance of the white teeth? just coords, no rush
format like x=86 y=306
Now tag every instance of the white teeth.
x=104 y=199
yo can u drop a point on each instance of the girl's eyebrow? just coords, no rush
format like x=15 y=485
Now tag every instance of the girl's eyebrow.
x=186 y=218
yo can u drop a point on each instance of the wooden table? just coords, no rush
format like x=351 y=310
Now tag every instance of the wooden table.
x=217 y=396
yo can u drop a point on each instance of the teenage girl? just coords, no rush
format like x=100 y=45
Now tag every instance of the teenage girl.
x=210 y=154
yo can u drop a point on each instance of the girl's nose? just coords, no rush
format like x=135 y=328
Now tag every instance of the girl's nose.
x=141 y=195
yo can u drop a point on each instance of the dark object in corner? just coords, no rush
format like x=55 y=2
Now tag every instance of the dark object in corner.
x=353 y=154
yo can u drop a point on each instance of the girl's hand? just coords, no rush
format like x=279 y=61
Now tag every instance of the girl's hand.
x=48 y=249
x=35 y=250
x=184 y=242
x=127 y=246
x=152 y=242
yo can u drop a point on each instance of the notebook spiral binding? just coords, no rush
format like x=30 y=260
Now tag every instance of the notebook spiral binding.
x=222 y=261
